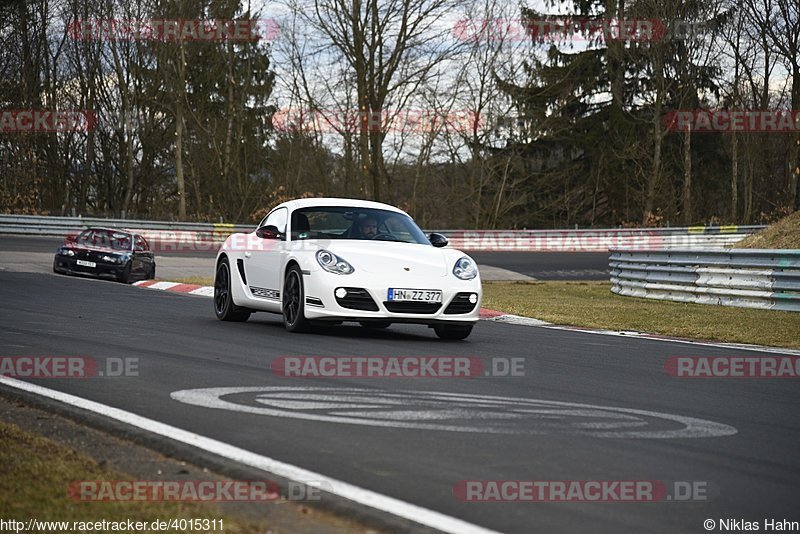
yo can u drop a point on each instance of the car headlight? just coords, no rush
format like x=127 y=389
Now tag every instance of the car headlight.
x=333 y=263
x=111 y=259
x=465 y=269
x=66 y=252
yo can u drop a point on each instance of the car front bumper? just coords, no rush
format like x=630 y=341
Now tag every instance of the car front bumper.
x=321 y=302
x=69 y=265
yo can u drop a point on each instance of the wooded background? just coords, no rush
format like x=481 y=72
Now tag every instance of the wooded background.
x=568 y=130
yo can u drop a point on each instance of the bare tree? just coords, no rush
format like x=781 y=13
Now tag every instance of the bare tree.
x=496 y=49
x=778 y=22
x=389 y=49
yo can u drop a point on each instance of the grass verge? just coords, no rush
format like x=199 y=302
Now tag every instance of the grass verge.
x=36 y=474
x=783 y=234
x=591 y=304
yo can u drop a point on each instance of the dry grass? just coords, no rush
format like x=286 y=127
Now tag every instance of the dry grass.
x=36 y=474
x=783 y=234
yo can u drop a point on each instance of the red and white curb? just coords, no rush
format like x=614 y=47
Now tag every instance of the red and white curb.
x=191 y=289
x=500 y=317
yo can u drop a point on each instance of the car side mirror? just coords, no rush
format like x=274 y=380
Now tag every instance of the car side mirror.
x=269 y=232
x=437 y=240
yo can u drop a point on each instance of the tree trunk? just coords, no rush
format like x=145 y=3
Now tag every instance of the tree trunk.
x=126 y=140
x=795 y=150
x=687 y=177
x=658 y=138
x=748 y=193
x=179 y=161
x=650 y=197
x=376 y=165
x=225 y=171
x=734 y=176
x=181 y=69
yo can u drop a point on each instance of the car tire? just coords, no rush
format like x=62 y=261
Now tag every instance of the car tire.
x=224 y=308
x=152 y=275
x=375 y=324
x=292 y=301
x=453 y=332
x=125 y=275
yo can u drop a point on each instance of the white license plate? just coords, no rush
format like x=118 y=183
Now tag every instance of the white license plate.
x=415 y=295
x=85 y=263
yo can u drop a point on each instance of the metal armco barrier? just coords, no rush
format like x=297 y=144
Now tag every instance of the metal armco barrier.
x=600 y=240
x=749 y=278
x=58 y=226
x=163 y=235
x=585 y=240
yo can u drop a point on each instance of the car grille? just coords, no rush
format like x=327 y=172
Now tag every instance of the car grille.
x=460 y=304
x=357 y=299
x=412 y=307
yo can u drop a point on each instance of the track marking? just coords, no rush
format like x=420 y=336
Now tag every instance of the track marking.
x=451 y=412
x=514 y=319
x=364 y=497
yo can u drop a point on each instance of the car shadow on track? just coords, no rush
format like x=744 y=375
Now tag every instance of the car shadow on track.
x=351 y=330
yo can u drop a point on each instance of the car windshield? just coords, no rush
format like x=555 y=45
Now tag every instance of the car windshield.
x=341 y=222
x=105 y=239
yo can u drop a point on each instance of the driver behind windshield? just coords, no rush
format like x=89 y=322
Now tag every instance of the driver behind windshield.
x=368 y=227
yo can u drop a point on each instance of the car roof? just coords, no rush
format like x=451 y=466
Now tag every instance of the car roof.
x=104 y=229
x=330 y=201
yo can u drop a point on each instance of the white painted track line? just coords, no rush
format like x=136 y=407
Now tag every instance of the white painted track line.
x=377 y=501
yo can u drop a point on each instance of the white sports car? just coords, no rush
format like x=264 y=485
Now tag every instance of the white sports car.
x=334 y=259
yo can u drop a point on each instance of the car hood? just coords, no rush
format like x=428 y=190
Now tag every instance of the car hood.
x=98 y=249
x=387 y=257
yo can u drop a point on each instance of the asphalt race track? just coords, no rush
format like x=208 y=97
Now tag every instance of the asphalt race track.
x=549 y=265
x=539 y=265
x=743 y=445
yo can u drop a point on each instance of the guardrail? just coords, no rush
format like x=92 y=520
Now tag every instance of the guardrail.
x=749 y=278
x=599 y=240
x=163 y=235
x=60 y=226
x=579 y=240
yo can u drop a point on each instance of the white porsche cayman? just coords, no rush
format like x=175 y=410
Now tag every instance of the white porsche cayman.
x=333 y=260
